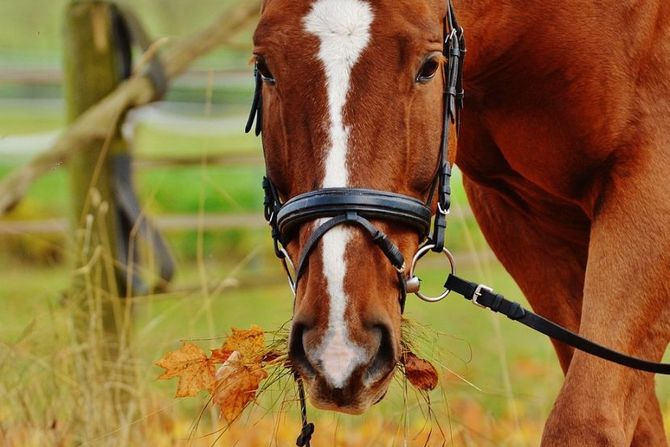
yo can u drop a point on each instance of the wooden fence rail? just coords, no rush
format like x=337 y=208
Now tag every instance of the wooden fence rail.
x=231 y=159
x=169 y=223
x=50 y=76
x=94 y=125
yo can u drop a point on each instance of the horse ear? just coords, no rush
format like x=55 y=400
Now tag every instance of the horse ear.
x=264 y=3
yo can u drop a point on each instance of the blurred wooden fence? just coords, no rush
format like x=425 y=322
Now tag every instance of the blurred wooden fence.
x=166 y=223
x=42 y=77
x=98 y=36
x=139 y=89
x=115 y=248
x=14 y=187
x=179 y=222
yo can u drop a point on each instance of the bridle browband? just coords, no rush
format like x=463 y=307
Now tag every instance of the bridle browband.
x=357 y=206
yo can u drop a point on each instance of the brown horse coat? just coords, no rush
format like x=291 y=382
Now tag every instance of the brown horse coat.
x=565 y=146
x=565 y=150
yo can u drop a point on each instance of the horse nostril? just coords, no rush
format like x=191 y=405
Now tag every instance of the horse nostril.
x=384 y=361
x=297 y=354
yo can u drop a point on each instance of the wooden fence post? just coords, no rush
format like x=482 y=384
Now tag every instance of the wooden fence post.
x=96 y=61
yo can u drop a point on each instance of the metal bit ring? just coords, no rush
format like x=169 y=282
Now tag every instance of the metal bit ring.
x=420 y=254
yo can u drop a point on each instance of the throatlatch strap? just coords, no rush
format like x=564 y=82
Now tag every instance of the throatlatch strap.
x=485 y=297
x=454 y=52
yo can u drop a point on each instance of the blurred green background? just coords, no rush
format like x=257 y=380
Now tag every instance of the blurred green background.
x=498 y=379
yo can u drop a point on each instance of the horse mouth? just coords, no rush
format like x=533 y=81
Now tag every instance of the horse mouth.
x=354 y=400
x=364 y=386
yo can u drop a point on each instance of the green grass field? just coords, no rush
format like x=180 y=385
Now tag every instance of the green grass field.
x=510 y=377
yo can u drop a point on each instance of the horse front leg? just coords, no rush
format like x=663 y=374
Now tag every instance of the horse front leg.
x=649 y=430
x=549 y=269
x=625 y=306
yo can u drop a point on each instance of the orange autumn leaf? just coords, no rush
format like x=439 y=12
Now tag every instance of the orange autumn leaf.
x=236 y=386
x=420 y=373
x=243 y=356
x=191 y=365
x=250 y=343
x=220 y=356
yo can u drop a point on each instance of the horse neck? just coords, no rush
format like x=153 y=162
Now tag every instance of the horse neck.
x=508 y=34
x=492 y=29
x=559 y=74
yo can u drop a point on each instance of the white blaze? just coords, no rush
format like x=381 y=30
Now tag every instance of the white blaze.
x=343 y=28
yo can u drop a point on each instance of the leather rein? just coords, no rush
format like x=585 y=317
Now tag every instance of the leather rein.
x=356 y=206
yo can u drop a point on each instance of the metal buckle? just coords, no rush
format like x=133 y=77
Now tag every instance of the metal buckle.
x=478 y=294
x=416 y=284
x=442 y=210
x=451 y=35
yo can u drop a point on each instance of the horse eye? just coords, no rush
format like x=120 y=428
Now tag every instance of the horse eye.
x=264 y=71
x=428 y=70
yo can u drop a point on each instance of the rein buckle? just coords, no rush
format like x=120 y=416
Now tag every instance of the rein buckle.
x=478 y=294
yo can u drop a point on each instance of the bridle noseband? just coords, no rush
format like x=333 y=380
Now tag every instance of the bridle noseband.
x=357 y=206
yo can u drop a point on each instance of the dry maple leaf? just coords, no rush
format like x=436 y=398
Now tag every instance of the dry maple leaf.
x=243 y=357
x=420 y=373
x=191 y=365
x=250 y=343
x=220 y=356
x=236 y=386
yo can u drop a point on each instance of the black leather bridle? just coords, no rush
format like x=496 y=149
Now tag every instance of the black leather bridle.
x=357 y=206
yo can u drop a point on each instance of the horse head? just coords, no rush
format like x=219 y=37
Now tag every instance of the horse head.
x=351 y=96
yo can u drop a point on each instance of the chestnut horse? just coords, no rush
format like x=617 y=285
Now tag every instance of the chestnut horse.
x=565 y=146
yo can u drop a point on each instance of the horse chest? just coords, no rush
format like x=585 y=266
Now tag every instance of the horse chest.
x=541 y=156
